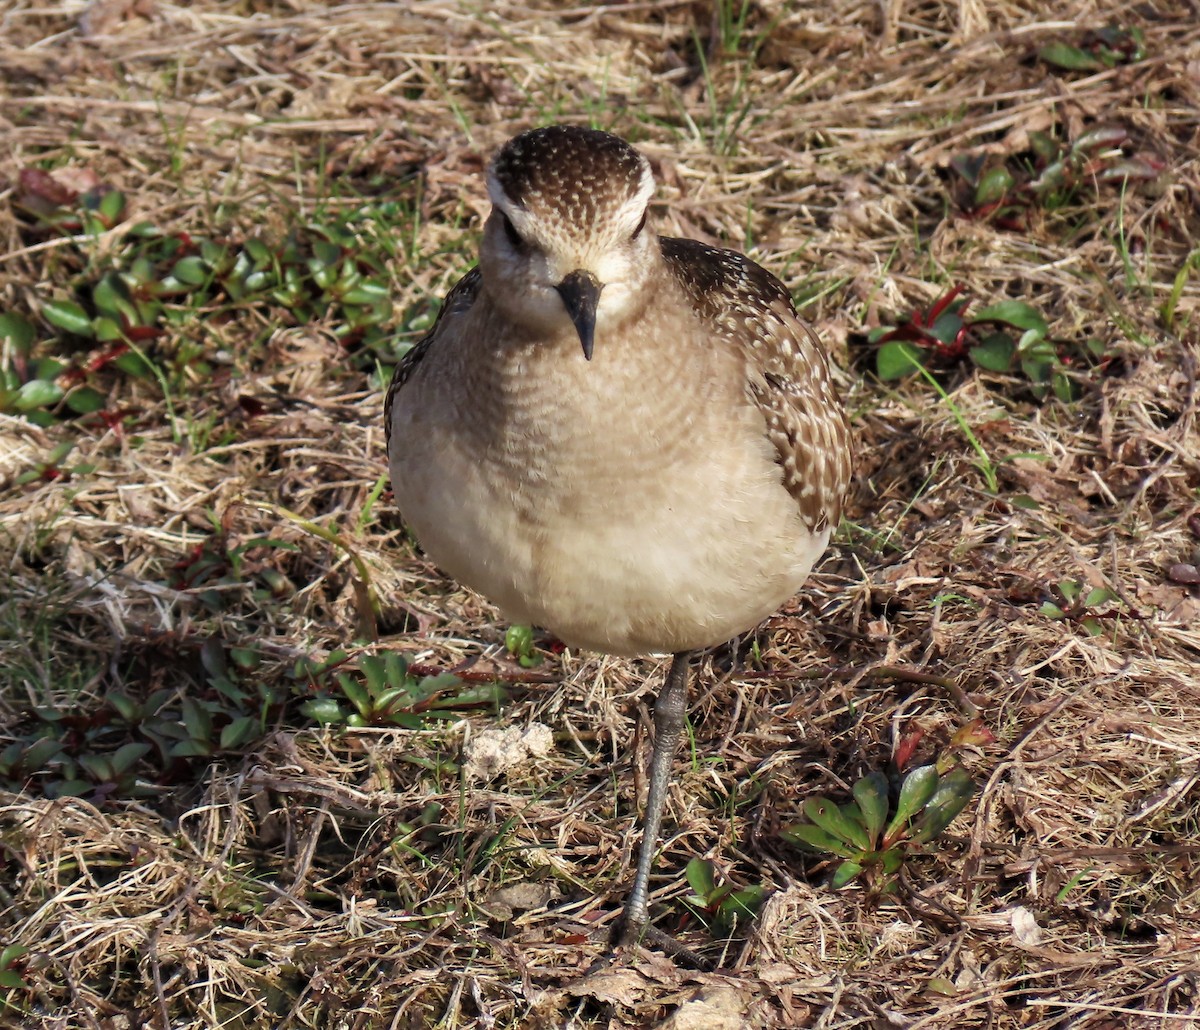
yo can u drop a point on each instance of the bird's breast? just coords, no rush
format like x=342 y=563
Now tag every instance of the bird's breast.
x=603 y=500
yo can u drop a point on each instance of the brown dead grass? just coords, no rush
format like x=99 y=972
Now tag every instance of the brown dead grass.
x=273 y=892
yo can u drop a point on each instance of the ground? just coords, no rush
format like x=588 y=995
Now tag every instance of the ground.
x=223 y=804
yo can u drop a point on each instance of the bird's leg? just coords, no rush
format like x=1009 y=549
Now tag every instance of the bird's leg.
x=669 y=712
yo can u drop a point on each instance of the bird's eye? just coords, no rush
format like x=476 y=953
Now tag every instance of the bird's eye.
x=510 y=231
x=640 y=226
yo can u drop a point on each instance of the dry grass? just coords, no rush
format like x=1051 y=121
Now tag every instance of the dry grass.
x=284 y=884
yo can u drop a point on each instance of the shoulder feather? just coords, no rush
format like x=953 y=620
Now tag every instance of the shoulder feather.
x=459 y=300
x=787 y=371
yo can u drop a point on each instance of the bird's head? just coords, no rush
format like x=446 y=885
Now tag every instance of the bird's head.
x=567 y=240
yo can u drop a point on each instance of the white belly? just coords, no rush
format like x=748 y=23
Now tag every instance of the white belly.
x=612 y=536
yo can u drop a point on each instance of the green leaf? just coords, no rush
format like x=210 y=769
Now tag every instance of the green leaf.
x=700 y=878
x=124 y=705
x=133 y=364
x=1037 y=368
x=1033 y=343
x=191 y=270
x=127 y=756
x=40 y=753
x=391 y=700
x=259 y=252
x=143 y=230
x=438 y=684
x=366 y=293
x=37 y=393
x=355 y=693
x=214 y=254
x=111 y=297
x=1062 y=55
x=112 y=207
x=846 y=872
x=374 y=668
x=741 y=905
x=825 y=814
x=325 y=254
x=239 y=732
x=66 y=314
x=324 y=276
x=17 y=332
x=1100 y=137
x=813 y=838
x=85 y=400
x=953 y=792
x=10 y=953
x=107 y=329
x=995 y=353
x=246 y=657
x=99 y=768
x=71 y=788
x=12 y=981
x=49 y=368
x=518 y=639
x=484 y=693
x=395 y=668
x=896 y=359
x=57 y=456
x=1044 y=145
x=324 y=710
x=993 y=186
x=946 y=326
x=1065 y=388
x=916 y=790
x=871 y=793
x=349 y=276
x=257 y=281
x=1013 y=312
x=196 y=719
x=1130 y=168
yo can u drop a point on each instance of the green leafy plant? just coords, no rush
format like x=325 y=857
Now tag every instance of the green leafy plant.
x=14 y=961
x=382 y=691
x=1008 y=337
x=126 y=747
x=1049 y=175
x=722 y=908
x=123 y=298
x=861 y=833
x=875 y=832
x=518 y=641
x=54 y=466
x=1102 y=48
x=1073 y=601
x=221 y=562
x=111 y=726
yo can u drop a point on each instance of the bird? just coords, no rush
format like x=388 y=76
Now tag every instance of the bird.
x=630 y=440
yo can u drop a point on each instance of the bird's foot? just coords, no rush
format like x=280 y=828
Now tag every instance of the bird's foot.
x=632 y=932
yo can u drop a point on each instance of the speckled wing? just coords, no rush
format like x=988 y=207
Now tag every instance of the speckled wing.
x=460 y=298
x=787 y=371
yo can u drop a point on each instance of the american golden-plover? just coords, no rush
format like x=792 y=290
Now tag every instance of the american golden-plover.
x=630 y=440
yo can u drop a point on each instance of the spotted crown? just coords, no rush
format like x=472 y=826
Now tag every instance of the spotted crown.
x=569 y=173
